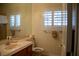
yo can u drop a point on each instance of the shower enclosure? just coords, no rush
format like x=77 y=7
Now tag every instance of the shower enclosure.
x=72 y=48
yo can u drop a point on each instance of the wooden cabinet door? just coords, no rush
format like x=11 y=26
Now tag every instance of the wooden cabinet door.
x=25 y=52
x=29 y=51
x=20 y=53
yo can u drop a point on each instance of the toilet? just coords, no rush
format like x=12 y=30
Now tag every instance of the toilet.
x=36 y=50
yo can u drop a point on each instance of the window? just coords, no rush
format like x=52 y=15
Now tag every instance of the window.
x=14 y=21
x=55 y=18
x=64 y=13
x=60 y=18
x=48 y=18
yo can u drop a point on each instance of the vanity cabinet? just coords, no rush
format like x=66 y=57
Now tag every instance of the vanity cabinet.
x=24 y=52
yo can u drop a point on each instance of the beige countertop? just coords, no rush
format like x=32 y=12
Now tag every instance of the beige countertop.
x=14 y=47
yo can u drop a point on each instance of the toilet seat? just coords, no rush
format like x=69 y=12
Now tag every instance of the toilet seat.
x=37 y=49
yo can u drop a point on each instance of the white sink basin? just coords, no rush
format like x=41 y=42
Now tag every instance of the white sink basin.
x=14 y=41
x=11 y=46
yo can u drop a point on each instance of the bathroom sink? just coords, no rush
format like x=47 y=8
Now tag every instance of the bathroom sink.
x=14 y=41
x=11 y=46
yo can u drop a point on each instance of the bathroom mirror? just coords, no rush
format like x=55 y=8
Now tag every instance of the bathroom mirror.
x=10 y=26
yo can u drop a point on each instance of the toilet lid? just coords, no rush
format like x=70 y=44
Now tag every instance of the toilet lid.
x=38 y=49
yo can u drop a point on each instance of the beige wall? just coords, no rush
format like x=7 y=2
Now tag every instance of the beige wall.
x=44 y=40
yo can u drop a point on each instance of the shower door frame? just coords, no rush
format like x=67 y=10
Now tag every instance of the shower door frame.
x=71 y=8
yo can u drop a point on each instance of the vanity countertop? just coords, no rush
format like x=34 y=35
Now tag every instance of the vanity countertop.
x=14 y=47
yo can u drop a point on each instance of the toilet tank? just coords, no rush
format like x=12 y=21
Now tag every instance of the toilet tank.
x=32 y=38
